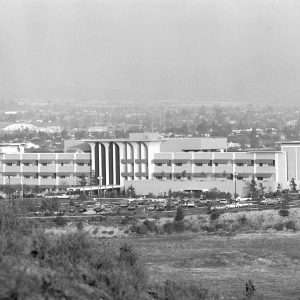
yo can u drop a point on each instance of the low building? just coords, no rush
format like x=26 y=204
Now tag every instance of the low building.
x=151 y=163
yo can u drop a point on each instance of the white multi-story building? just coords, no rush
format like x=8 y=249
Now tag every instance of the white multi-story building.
x=151 y=164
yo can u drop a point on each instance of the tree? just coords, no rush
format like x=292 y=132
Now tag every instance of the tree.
x=261 y=190
x=82 y=180
x=131 y=192
x=252 y=189
x=278 y=190
x=179 y=214
x=293 y=185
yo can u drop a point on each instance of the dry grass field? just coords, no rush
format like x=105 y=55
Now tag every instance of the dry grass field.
x=224 y=263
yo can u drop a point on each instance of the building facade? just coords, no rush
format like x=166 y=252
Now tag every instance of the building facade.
x=145 y=159
x=42 y=169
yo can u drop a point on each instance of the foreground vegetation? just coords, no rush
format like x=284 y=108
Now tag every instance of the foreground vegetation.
x=186 y=257
x=35 y=265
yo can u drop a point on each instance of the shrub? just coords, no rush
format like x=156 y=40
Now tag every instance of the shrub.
x=290 y=225
x=60 y=221
x=79 y=225
x=150 y=225
x=179 y=226
x=242 y=220
x=284 y=212
x=178 y=290
x=214 y=215
x=278 y=226
x=168 y=227
x=142 y=229
x=179 y=214
x=95 y=231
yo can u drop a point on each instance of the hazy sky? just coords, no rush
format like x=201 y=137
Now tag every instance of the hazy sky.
x=206 y=50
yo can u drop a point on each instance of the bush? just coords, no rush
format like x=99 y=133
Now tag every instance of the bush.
x=242 y=220
x=79 y=225
x=60 y=221
x=142 y=229
x=179 y=226
x=278 y=226
x=214 y=215
x=284 y=212
x=168 y=227
x=179 y=214
x=151 y=226
x=290 y=225
x=178 y=290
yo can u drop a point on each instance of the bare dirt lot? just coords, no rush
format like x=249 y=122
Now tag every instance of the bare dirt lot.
x=224 y=263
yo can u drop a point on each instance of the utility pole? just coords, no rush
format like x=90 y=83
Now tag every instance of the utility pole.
x=235 y=178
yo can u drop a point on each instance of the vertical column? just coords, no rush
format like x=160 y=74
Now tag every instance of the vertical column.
x=296 y=164
x=3 y=170
x=193 y=165
x=56 y=170
x=234 y=174
x=276 y=167
x=100 y=162
x=172 y=165
x=254 y=167
x=39 y=169
x=135 y=156
x=130 y=153
x=106 y=145
x=114 y=164
x=213 y=167
x=139 y=146
x=21 y=170
x=74 y=175
x=125 y=157
x=93 y=166
x=122 y=159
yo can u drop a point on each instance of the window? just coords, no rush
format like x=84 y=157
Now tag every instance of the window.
x=18 y=163
x=27 y=176
x=216 y=164
x=169 y=163
x=251 y=164
x=44 y=164
x=158 y=164
x=26 y=164
x=178 y=164
x=261 y=164
x=62 y=177
x=198 y=164
x=240 y=164
x=272 y=164
x=260 y=178
x=62 y=164
x=210 y=163
x=9 y=164
x=44 y=176
x=80 y=164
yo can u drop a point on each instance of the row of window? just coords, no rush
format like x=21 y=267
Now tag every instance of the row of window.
x=179 y=177
x=271 y=164
x=54 y=176
x=10 y=164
